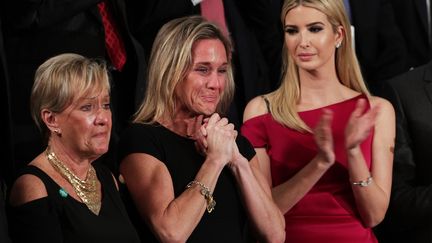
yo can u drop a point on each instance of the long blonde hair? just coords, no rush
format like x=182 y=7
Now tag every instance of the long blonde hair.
x=171 y=60
x=347 y=67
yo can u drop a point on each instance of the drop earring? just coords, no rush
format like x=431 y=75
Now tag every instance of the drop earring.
x=338 y=45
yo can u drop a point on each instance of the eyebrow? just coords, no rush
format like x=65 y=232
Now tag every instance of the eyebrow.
x=308 y=25
x=207 y=63
x=95 y=97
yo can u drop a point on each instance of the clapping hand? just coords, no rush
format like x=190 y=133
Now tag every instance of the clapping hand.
x=359 y=124
x=324 y=138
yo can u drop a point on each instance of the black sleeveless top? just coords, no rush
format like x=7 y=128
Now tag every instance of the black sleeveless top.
x=228 y=222
x=61 y=218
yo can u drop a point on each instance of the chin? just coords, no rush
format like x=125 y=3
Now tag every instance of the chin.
x=207 y=111
x=100 y=150
x=307 y=66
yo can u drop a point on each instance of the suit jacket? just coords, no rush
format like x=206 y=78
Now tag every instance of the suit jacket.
x=244 y=19
x=379 y=44
x=6 y=122
x=411 y=18
x=409 y=218
x=35 y=31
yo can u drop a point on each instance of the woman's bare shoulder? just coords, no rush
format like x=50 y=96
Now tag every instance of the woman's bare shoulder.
x=256 y=107
x=27 y=188
x=382 y=103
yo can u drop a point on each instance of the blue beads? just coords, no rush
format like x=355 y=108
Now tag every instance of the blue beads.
x=63 y=193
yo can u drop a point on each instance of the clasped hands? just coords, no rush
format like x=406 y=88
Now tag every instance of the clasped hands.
x=215 y=137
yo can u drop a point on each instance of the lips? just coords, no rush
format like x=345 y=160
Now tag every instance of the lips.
x=101 y=134
x=210 y=98
x=305 y=56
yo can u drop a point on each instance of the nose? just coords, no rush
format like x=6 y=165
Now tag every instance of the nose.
x=215 y=80
x=103 y=116
x=304 y=41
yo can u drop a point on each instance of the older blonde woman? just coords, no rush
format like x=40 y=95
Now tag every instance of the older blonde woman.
x=62 y=196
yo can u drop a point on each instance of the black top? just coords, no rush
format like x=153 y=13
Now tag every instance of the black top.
x=227 y=223
x=58 y=218
x=4 y=238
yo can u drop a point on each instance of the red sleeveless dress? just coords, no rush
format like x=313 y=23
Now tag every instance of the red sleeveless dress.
x=327 y=213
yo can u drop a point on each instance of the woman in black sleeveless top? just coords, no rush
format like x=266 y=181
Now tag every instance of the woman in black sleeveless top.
x=62 y=196
x=192 y=178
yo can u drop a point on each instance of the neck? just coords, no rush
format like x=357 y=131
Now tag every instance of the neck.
x=183 y=125
x=77 y=165
x=319 y=88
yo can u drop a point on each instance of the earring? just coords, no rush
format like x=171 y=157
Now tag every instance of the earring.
x=57 y=131
x=338 y=45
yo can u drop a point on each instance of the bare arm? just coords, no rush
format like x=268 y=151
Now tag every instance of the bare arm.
x=265 y=217
x=287 y=194
x=151 y=187
x=372 y=200
x=27 y=188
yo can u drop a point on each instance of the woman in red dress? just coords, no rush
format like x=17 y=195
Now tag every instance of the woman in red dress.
x=324 y=143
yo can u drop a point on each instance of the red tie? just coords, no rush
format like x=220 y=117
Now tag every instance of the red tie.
x=113 y=43
x=213 y=10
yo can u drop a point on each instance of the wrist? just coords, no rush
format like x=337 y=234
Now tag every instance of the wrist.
x=206 y=193
x=363 y=183
x=353 y=151
x=238 y=165
x=324 y=161
x=215 y=160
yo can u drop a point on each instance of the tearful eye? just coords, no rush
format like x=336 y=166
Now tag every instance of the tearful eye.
x=222 y=71
x=107 y=106
x=87 y=107
x=202 y=70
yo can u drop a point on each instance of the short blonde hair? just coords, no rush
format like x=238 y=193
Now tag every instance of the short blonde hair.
x=347 y=67
x=170 y=61
x=61 y=80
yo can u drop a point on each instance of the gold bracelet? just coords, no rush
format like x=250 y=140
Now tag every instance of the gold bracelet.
x=365 y=183
x=205 y=191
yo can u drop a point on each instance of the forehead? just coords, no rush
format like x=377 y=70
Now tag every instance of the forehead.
x=208 y=50
x=92 y=94
x=305 y=15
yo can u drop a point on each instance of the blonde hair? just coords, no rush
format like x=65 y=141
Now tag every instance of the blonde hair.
x=61 y=80
x=347 y=67
x=171 y=60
